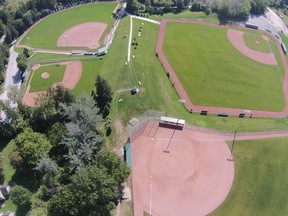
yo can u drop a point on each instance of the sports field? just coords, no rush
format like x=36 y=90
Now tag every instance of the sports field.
x=260 y=183
x=214 y=73
x=56 y=73
x=46 y=33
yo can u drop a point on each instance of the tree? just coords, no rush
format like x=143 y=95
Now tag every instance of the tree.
x=147 y=4
x=55 y=135
x=180 y=5
x=83 y=138
x=259 y=6
x=48 y=110
x=114 y=166
x=22 y=62
x=132 y=6
x=49 y=169
x=21 y=197
x=32 y=146
x=103 y=94
x=91 y=192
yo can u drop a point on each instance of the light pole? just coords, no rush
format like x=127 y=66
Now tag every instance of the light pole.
x=234 y=137
x=66 y=36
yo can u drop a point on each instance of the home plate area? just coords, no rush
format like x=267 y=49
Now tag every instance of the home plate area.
x=179 y=171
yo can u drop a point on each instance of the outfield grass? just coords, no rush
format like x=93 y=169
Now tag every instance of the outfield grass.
x=212 y=77
x=262 y=45
x=90 y=69
x=260 y=183
x=187 y=15
x=46 y=33
x=56 y=73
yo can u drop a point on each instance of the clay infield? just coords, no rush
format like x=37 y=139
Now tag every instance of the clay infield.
x=70 y=79
x=194 y=178
x=216 y=110
x=83 y=35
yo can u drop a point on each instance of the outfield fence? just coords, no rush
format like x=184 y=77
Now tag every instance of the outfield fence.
x=137 y=126
x=71 y=58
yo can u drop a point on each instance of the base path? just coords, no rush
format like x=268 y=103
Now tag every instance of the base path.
x=214 y=110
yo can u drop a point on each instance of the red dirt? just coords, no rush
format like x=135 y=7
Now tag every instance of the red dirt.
x=193 y=179
x=214 y=110
x=45 y=75
x=36 y=66
x=29 y=97
x=257 y=42
x=83 y=35
x=71 y=77
x=236 y=38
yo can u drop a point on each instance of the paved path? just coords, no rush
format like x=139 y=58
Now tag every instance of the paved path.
x=146 y=19
x=12 y=78
x=270 y=21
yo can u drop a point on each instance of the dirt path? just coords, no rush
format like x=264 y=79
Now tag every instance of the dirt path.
x=214 y=110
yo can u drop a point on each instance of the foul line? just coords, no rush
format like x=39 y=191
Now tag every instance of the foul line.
x=130 y=39
x=150 y=208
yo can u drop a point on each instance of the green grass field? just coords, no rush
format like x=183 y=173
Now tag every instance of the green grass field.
x=187 y=15
x=56 y=73
x=260 y=184
x=157 y=92
x=261 y=45
x=46 y=33
x=214 y=73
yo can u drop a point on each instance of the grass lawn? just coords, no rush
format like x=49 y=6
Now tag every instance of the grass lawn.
x=6 y=149
x=213 y=78
x=260 y=185
x=46 y=33
x=187 y=15
x=56 y=73
x=256 y=42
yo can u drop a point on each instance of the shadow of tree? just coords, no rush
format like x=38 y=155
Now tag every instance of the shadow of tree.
x=27 y=178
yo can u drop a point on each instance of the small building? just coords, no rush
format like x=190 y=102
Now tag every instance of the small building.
x=4 y=190
x=102 y=51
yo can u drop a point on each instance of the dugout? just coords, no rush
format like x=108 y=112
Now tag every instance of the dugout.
x=284 y=48
x=174 y=123
x=127 y=154
x=252 y=26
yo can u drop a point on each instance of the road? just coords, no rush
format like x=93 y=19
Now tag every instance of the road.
x=12 y=78
x=270 y=21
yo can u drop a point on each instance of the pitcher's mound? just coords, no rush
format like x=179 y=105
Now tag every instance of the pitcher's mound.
x=45 y=75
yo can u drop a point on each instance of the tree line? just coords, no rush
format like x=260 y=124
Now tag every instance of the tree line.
x=59 y=149
x=281 y=5
x=227 y=10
